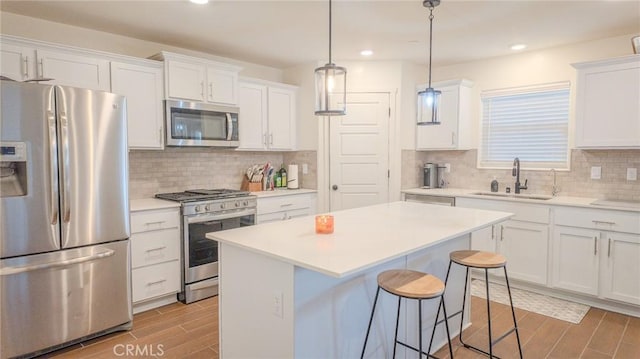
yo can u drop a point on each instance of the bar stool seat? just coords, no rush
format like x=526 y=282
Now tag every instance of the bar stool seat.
x=410 y=284
x=478 y=259
x=485 y=261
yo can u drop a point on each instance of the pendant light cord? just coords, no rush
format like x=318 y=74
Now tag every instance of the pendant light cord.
x=430 y=39
x=330 y=31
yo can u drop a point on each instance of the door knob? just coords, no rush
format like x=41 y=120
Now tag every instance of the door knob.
x=335 y=187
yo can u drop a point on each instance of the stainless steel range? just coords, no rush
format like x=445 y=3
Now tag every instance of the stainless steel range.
x=205 y=211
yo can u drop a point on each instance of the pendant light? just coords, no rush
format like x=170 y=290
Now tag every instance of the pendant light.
x=429 y=99
x=331 y=83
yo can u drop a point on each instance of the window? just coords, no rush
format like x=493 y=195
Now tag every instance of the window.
x=529 y=123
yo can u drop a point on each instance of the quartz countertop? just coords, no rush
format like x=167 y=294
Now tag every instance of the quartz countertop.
x=363 y=237
x=282 y=192
x=145 y=204
x=585 y=202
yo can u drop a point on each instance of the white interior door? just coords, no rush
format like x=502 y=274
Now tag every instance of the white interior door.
x=359 y=152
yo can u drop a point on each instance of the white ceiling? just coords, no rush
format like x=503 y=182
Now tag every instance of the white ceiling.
x=286 y=33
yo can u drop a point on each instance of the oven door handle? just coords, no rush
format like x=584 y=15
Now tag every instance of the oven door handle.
x=215 y=217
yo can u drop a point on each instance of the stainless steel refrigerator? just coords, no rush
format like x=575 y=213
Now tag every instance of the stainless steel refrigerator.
x=64 y=217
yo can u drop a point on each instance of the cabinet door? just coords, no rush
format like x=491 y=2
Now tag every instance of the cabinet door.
x=444 y=135
x=621 y=278
x=18 y=62
x=185 y=80
x=252 y=120
x=281 y=118
x=142 y=85
x=484 y=239
x=222 y=86
x=74 y=70
x=525 y=245
x=607 y=111
x=575 y=262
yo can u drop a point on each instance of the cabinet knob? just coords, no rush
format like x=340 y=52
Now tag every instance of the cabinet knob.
x=334 y=187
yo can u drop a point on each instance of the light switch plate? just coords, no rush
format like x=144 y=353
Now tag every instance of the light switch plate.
x=447 y=167
x=305 y=168
x=596 y=172
x=632 y=174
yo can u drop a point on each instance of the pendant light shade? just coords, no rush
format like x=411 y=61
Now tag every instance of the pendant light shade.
x=331 y=85
x=429 y=99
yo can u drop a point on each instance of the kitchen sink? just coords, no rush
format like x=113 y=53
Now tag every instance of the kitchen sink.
x=513 y=195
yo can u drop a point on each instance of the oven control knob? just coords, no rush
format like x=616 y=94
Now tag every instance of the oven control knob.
x=245 y=203
x=207 y=208
x=237 y=204
x=198 y=209
x=222 y=205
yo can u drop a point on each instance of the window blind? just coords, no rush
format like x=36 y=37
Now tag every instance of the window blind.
x=528 y=123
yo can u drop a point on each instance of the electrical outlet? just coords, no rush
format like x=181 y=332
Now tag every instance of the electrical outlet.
x=447 y=168
x=632 y=174
x=305 y=168
x=596 y=172
x=278 y=309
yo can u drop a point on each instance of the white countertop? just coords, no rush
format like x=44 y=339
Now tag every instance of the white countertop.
x=283 y=192
x=362 y=238
x=585 y=202
x=145 y=204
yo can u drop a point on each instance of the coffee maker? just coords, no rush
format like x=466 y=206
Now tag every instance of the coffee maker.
x=429 y=176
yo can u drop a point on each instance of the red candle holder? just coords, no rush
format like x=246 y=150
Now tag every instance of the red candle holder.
x=324 y=224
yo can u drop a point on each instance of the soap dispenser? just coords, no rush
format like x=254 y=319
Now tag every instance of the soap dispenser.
x=494 y=185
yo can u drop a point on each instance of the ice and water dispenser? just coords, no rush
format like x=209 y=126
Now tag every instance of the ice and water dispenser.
x=13 y=169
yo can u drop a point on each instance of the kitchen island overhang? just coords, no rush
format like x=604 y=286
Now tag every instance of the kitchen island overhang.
x=287 y=292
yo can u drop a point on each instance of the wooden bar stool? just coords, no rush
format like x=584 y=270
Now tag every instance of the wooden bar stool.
x=486 y=261
x=411 y=284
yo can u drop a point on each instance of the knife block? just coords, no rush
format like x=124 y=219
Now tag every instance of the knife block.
x=250 y=186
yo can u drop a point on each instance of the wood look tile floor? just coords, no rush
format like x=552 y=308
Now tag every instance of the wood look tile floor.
x=191 y=332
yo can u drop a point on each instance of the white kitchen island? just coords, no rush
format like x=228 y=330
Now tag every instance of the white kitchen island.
x=287 y=292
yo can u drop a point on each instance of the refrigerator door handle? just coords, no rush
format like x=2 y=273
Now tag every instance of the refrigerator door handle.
x=53 y=158
x=64 y=138
x=16 y=270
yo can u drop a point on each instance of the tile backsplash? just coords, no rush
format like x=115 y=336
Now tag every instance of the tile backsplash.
x=178 y=169
x=575 y=182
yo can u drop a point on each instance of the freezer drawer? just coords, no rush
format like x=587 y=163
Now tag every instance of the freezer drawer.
x=58 y=297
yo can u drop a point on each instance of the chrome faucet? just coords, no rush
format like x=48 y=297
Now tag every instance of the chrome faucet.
x=515 y=172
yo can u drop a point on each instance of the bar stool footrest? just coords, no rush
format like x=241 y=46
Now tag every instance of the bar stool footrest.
x=479 y=350
x=416 y=350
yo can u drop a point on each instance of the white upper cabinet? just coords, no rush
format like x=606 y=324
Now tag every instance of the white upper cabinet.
x=18 y=62
x=454 y=132
x=74 y=70
x=608 y=103
x=25 y=60
x=197 y=79
x=267 y=116
x=142 y=84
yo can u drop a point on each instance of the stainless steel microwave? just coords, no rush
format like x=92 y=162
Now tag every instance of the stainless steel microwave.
x=201 y=124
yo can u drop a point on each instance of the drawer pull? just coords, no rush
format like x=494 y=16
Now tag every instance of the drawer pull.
x=156 y=222
x=595 y=245
x=609 y=250
x=286 y=205
x=155 y=249
x=501 y=233
x=603 y=222
x=156 y=282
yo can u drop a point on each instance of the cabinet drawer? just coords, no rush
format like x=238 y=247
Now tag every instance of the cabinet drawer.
x=153 y=281
x=283 y=215
x=284 y=203
x=155 y=247
x=522 y=211
x=618 y=221
x=154 y=220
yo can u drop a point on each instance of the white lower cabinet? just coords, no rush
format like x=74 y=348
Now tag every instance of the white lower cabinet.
x=523 y=240
x=597 y=252
x=286 y=206
x=155 y=257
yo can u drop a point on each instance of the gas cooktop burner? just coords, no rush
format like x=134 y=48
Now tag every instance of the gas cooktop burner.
x=202 y=195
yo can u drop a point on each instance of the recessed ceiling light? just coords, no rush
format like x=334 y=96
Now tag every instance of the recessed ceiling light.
x=517 y=47
x=199 y=2
x=366 y=52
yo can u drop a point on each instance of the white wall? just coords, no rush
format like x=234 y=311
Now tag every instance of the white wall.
x=38 y=29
